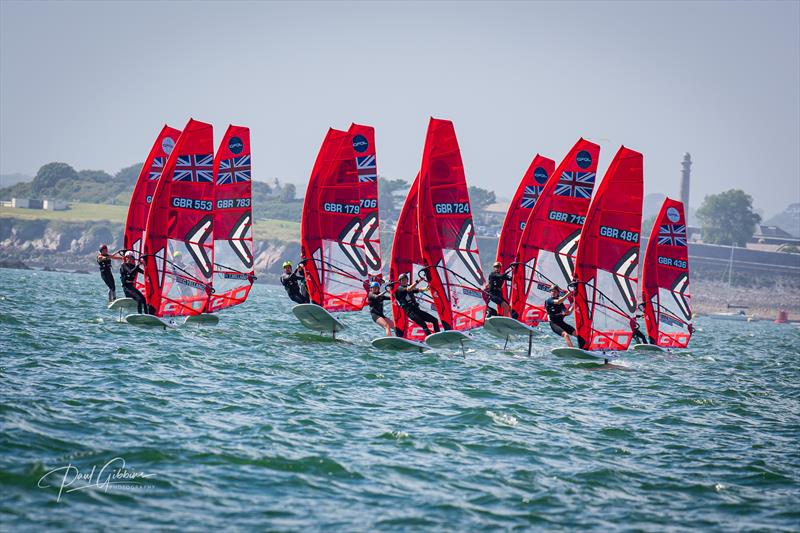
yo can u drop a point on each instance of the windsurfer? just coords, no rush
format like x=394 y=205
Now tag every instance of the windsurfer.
x=638 y=336
x=292 y=280
x=104 y=262
x=556 y=311
x=406 y=300
x=494 y=289
x=376 y=299
x=127 y=275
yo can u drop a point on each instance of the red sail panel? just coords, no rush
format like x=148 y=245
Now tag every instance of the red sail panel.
x=331 y=228
x=178 y=241
x=607 y=264
x=407 y=259
x=447 y=236
x=549 y=242
x=531 y=186
x=665 y=279
x=367 y=168
x=143 y=192
x=233 y=220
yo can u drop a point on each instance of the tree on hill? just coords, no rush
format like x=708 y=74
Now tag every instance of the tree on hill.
x=288 y=192
x=728 y=218
x=97 y=176
x=391 y=194
x=128 y=175
x=480 y=198
x=49 y=175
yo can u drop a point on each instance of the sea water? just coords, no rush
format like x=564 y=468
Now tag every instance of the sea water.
x=261 y=424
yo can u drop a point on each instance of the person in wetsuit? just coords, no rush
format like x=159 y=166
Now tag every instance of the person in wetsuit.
x=408 y=303
x=638 y=336
x=375 y=298
x=556 y=311
x=494 y=289
x=127 y=275
x=292 y=280
x=104 y=262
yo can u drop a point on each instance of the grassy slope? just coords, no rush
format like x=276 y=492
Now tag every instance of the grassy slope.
x=265 y=229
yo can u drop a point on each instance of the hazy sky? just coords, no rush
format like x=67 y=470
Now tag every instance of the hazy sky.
x=92 y=83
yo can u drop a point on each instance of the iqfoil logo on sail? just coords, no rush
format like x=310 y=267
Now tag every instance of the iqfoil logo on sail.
x=167 y=144
x=360 y=144
x=540 y=175
x=235 y=145
x=673 y=215
x=583 y=159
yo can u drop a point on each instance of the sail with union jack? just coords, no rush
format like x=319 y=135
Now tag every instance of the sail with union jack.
x=530 y=196
x=156 y=168
x=672 y=234
x=367 y=168
x=575 y=184
x=234 y=170
x=197 y=168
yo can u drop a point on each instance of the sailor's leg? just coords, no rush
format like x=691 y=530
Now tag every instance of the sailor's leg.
x=567 y=339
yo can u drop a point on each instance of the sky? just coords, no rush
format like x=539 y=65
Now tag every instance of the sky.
x=91 y=84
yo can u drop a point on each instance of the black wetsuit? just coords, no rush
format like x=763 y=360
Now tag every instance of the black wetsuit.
x=376 y=305
x=495 y=286
x=291 y=282
x=127 y=275
x=638 y=336
x=407 y=302
x=555 y=313
x=104 y=262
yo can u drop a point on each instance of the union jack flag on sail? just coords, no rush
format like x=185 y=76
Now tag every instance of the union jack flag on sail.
x=530 y=195
x=367 y=170
x=156 y=168
x=194 y=168
x=576 y=184
x=234 y=170
x=672 y=234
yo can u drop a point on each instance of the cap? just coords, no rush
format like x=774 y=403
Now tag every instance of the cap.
x=176 y=253
x=497 y=264
x=374 y=284
x=287 y=264
x=129 y=254
x=403 y=275
x=103 y=247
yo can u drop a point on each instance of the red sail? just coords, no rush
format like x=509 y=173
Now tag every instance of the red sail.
x=447 y=236
x=665 y=279
x=606 y=268
x=546 y=253
x=367 y=168
x=331 y=228
x=407 y=259
x=531 y=186
x=178 y=241
x=233 y=220
x=143 y=192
